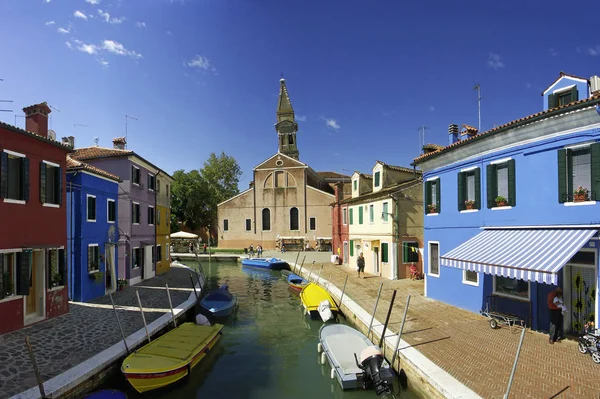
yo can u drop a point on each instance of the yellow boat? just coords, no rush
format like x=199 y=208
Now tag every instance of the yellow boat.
x=312 y=295
x=170 y=357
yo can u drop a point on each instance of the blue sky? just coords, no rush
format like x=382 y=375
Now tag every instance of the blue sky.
x=203 y=76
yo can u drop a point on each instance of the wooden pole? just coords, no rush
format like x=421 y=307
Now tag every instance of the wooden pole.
x=319 y=275
x=296 y=262
x=310 y=272
x=374 y=310
x=171 y=305
x=400 y=332
x=142 y=312
x=194 y=287
x=329 y=281
x=512 y=373
x=387 y=320
x=119 y=322
x=35 y=368
x=343 y=290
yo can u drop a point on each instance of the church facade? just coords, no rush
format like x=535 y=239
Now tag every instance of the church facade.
x=287 y=202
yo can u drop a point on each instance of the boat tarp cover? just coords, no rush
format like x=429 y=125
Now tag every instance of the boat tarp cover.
x=343 y=342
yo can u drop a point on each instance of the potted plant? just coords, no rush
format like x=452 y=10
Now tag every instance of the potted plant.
x=470 y=204
x=431 y=208
x=580 y=194
x=121 y=284
x=55 y=280
x=501 y=201
x=99 y=277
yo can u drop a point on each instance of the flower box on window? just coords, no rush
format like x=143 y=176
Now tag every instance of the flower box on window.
x=580 y=194
x=501 y=201
x=431 y=208
x=470 y=204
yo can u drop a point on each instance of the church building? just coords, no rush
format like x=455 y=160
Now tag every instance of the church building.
x=287 y=202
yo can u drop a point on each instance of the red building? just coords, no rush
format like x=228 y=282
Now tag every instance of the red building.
x=33 y=237
x=339 y=222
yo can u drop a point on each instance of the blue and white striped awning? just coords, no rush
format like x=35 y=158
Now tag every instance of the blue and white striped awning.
x=525 y=254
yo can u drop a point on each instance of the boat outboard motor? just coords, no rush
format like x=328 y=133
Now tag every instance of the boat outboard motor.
x=325 y=310
x=371 y=360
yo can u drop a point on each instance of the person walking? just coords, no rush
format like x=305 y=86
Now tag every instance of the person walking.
x=556 y=308
x=360 y=262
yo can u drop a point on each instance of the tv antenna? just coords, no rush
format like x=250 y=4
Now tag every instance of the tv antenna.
x=422 y=129
x=478 y=88
x=50 y=116
x=96 y=140
x=127 y=117
x=18 y=116
x=77 y=124
x=5 y=101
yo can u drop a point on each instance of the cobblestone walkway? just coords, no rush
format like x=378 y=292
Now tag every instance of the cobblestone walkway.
x=463 y=344
x=63 y=342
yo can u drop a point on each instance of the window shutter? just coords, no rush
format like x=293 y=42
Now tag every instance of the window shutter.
x=384 y=252
x=132 y=174
x=59 y=182
x=552 y=101
x=42 y=182
x=62 y=266
x=149 y=215
x=492 y=182
x=562 y=176
x=360 y=214
x=26 y=179
x=461 y=190
x=595 y=189
x=24 y=272
x=574 y=93
x=438 y=196
x=512 y=183
x=2 y=288
x=478 y=188
x=90 y=257
x=427 y=194
x=351 y=247
x=351 y=216
x=3 y=175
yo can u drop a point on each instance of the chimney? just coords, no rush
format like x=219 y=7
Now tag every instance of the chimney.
x=36 y=119
x=469 y=131
x=453 y=134
x=251 y=184
x=429 y=148
x=119 y=143
x=69 y=141
x=338 y=191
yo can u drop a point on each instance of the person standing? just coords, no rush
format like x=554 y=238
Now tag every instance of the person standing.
x=556 y=308
x=360 y=262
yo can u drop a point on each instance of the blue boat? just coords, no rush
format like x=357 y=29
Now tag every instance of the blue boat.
x=266 y=263
x=106 y=394
x=296 y=282
x=219 y=302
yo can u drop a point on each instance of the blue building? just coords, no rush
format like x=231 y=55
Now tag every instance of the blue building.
x=515 y=211
x=92 y=230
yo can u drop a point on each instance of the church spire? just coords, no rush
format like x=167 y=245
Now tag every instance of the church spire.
x=286 y=125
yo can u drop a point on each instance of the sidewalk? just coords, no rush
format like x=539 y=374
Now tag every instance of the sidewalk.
x=64 y=342
x=463 y=344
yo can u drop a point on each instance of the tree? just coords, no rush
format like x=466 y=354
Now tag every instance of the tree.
x=222 y=175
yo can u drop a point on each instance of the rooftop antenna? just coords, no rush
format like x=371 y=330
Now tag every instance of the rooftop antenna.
x=77 y=124
x=422 y=129
x=126 y=118
x=5 y=101
x=478 y=88
x=50 y=116
x=96 y=140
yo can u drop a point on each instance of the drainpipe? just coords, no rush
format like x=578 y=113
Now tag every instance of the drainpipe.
x=70 y=252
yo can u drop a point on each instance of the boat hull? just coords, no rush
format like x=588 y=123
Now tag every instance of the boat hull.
x=219 y=302
x=311 y=296
x=264 y=263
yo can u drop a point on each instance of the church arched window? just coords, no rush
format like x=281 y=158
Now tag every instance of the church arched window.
x=294 y=219
x=266 y=219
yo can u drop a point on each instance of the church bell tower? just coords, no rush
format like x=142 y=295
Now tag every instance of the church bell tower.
x=286 y=125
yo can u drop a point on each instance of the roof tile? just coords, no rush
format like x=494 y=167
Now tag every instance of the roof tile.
x=73 y=164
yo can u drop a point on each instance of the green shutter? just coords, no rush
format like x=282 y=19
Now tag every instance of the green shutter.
x=492 y=185
x=3 y=175
x=478 y=188
x=512 y=183
x=552 y=101
x=2 y=282
x=461 y=190
x=25 y=180
x=351 y=215
x=595 y=189
x=438 y=196
x=23 y=272
x=351 y=247
x=360 y=214
x=384 y=252
x=43 y=198
x=377 y=176
x=427 y=194
x=562 y=176
x=574 y=94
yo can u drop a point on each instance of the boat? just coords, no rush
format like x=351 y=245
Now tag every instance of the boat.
x=355 y=362
x=296 y=282
x=170 y=357
x=266 y=263
x=318 y=303
x=219 y=302
x=106 y=394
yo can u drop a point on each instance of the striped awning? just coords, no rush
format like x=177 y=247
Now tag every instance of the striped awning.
x=525 y=254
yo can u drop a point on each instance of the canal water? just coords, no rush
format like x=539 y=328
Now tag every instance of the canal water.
x=268 y=348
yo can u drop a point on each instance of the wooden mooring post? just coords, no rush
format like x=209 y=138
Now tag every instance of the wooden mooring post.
x=374 y=310
x=35 y=368
x=171 y=306
x=119 y=322
x=143 y=317
x=400 y=332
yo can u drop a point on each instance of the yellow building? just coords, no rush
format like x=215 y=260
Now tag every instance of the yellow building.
x=163 y=222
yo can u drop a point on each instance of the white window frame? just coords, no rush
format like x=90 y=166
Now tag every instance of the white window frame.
x=375 y=180
x=132 y=213
x=50 y=204
x=371 y=214
x=429 y=273
x=139 y=173
x=153 y=213
x=10 y=200
x=87 y=211
x=385 y=216
x=246 y=224
x=13 y=266
x=345 y=216
x=312 y=217
x=151 y=175
x=108 y=201
x=98 y=270
x=467 y=282
x=133 y=251
x=158 y=251
x=505 y=295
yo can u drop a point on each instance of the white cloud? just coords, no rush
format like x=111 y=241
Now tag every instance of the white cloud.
x=93 y=1
x=79 y=14
x=431 y=108
x=103 y=62
x=86 y=48
x=140 y=24
x=301 y=118
x=528 y=85
x=63 y=30
x=47 y=1
x=594 y=51
x=50 y=23
x=117 y=48
x=332 y=123
x=494 y=61
x=553 y=52
x=201 y=63
x=107 y=46
x=106 y=16
x=169 y=32
x=69 y=45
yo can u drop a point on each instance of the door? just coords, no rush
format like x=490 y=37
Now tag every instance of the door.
x=148 y=273
x=346 y=254
x=376 y=260
x=582 y=297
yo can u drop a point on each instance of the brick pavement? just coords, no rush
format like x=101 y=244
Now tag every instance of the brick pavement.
x=63 y=342
x=463 y=344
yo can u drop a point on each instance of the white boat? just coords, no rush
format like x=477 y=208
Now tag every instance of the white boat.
x=355 y=362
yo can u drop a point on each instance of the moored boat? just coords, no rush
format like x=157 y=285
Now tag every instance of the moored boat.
x=219 y=302
x=170 y=357
x=266 y=263
x=313 y=298
x=106 y=394
x=296 y=282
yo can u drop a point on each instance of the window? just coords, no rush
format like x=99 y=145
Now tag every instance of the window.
x=433 y=196
x=469 y=189
x=136 y=258
x=279 y=179
x=360 y=214
x=8 y=274
x=434 y=259
x=93 y=258
x=312 y=222
x=345 y=216
x=501 y=184
x=470 y=277
x=56 y=267
x=135 y=213
x=351 y=216
x=410 y=252
x=371 y=213
x=14 y=177
x=578 y=175
x=584 y=257
x=135 y=175
x=563 y=97
x=50 y=183
x=153 y=251
x=351 y=247
x=225 y=225
x=167 y=191
x=294 y=219
x=384 y=252
x=157 y=186
x=266 y=219
x=158 y=253
x=248 y=224
x=377 y=178
x=168 y=217
x=157 y=216
x=151 y=182
x=151 y=215
x=511 y=287
x=354 y=185
x=91 y=208
x=111 y=211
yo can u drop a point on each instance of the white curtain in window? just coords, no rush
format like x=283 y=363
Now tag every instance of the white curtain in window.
x=471 y=187
x=582 y=170
x=503 y=182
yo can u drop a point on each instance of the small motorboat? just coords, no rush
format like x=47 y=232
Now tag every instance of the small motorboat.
x=266 y=263
x=170 y=357
x=219 y=302
x=355 y=362
x=318 y=303
x=296 y=282
x=106 y=394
